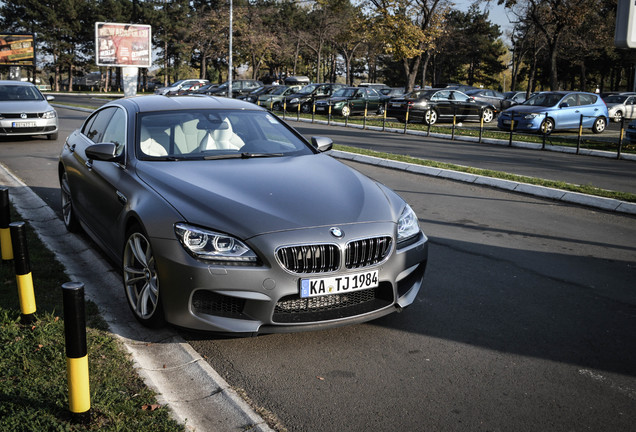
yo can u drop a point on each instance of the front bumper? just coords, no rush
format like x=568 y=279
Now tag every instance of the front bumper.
x=266 y=298
x=28 y=127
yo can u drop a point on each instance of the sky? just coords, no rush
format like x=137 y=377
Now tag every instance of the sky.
x=497 y=13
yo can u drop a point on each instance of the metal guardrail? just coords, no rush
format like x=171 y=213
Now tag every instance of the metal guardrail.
x=546 y=137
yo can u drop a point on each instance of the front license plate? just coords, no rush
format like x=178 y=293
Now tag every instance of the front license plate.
x=315 y=287
x=23 y=124
x=506 y=122
x=396 y=105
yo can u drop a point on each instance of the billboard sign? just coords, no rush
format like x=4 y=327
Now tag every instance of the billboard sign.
x=122 y=44
x=625 y=31
x=17 y=49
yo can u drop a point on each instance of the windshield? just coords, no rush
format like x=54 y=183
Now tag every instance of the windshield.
x=615 y=99
x=344 y=92
x=215 y=134
x=19 y=93
x=307 y=90
x=278 y=90
x=544 y=99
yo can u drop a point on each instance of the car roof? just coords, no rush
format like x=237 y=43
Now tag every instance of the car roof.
x=170 y=103
x=17 y=83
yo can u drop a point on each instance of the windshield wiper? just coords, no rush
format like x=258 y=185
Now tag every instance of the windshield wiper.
x=247 y=155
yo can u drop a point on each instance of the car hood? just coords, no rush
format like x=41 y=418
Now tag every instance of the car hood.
x=248 y=197
x=17 y=107
x=528 y=109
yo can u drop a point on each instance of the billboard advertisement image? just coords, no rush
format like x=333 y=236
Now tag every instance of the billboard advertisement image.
x=122 y=44
x=17 y=49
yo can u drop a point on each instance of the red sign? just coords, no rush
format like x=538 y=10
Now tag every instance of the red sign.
x=122 y=44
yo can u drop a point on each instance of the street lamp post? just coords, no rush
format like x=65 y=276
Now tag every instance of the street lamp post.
x=229 y=75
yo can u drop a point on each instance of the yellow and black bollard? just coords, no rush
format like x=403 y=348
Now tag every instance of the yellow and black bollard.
x=5 y=220
x=23 y=271
x=79 y=400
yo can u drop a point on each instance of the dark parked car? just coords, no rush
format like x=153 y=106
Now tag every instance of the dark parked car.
x=433 y=105
x=239 y=87
x=257 y=92
x=308 y=95
x=273 y=100
x=513 y=98
x=185 y=83
x=352 y=100
x=204 y=203
x=548 y=111
x=491 y=97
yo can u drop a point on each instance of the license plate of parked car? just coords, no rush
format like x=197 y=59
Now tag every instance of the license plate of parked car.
x=315 y=287
x=23 y=124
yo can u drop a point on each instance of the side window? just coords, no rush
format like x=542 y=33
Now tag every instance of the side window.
x=570 y=100
x=587 y=99
x=94 y=128
x=116 y=130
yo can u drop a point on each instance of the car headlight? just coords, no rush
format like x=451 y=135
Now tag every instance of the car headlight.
x=408 y=225
x=49 y=114
x=339 y=104
x=531 y=116
x=210 y=245
x=294 y=101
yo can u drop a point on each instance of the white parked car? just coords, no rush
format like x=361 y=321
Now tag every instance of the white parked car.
x=25 y=111
x=621 y=105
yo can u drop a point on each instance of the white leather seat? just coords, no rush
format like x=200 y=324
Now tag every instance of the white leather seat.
x=222 y=138
x=149 y=145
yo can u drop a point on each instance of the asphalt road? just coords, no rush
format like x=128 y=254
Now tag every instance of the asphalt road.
x=526 y=321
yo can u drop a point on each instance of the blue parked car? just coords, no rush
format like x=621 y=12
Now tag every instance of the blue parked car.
x=548 y=111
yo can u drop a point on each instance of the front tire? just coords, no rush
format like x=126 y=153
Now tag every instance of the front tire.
x=141 y=280
x=618 y=117
x=599 y=125
x=547 y=126
x=346 y=111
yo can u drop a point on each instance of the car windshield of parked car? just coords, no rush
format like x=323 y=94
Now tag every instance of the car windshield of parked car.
x=344 y=92
x=309 y=89
x=19 y=93
x=618 y=99
x=278 y=90
x=215 y=134
x=544 y=99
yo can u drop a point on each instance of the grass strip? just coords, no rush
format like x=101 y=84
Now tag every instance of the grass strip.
x=33 y=385
x=584 y=189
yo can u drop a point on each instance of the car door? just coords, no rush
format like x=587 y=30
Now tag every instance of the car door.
x=465 y=106
x=373 y=100
x=567 y=114
x=629 y=107
x=443 y=104
x=103 y=201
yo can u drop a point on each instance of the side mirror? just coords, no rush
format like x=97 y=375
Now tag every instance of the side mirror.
x=564 y=105
x=102 y=152
x=50 y=97
x=323 y=144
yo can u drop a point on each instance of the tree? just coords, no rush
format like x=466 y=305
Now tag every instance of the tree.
x=409 y=29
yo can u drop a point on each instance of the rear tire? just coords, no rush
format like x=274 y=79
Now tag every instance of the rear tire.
x=68 y=213
x=430 y=117
x=488 y=115
x=599 y=125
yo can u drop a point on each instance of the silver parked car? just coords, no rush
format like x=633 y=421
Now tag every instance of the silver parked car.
x=25 y=111
x=224 y=218
x=621 y=105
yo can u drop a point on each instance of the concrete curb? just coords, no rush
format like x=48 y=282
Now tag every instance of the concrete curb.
x=539 y=191
x=196 y=394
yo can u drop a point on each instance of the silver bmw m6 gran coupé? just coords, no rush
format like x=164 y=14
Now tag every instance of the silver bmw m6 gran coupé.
x=225 y=219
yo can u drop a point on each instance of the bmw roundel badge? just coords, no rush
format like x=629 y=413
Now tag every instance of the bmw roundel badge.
x=336 y=232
